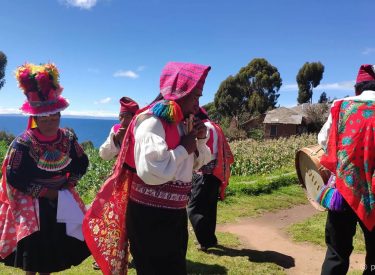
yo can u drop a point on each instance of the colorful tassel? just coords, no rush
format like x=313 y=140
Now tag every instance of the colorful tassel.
x=168 y=110
x=329 y=197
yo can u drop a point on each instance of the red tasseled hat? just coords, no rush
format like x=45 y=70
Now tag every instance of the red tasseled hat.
x=366 y=73
x=128 y=105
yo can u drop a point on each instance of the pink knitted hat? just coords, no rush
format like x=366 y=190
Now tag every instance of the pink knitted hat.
x=179 y=79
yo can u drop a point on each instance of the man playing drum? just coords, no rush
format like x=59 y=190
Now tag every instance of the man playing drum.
x=348 y=140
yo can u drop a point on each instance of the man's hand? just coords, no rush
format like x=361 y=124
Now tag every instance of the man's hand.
x=200 y=128
x=189 y=142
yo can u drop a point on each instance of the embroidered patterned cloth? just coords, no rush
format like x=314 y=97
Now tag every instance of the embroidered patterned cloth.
x=19 y=213
x=19 y=210
x=351 y=154
x=104 y=227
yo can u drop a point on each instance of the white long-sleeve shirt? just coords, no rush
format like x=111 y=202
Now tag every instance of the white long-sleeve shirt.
x=323 y=134
x=109 y=149
x=156 y=164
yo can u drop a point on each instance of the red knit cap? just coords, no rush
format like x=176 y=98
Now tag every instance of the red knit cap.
x=366 y=73
x=128 y=105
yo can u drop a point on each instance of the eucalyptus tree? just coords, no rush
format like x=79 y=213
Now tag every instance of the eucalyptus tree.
x=308 y=78
x=253 y=90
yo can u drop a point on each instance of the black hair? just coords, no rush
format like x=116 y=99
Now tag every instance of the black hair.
x=364 y=85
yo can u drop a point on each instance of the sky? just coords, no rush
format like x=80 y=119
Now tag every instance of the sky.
x=106 y=49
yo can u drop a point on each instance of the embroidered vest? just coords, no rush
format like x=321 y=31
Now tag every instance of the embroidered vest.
x=172 y=194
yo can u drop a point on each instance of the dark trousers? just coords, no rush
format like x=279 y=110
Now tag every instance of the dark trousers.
x=158 y=239
x=340 y=230
x=202 y=208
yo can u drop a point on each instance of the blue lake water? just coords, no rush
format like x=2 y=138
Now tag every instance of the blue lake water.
x=95 y=130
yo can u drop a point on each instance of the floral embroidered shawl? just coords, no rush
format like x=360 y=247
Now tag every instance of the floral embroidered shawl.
x=351 y=155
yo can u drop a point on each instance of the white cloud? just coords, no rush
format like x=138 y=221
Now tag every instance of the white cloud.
x=9 y=111
x=368 y=51
x=344 y=85
x=68 y=112
x=83 y=4
x=103 y=101
x=91 y=113
x=129 y=74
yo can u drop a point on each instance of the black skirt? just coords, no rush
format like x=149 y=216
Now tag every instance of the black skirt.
x=50 y=249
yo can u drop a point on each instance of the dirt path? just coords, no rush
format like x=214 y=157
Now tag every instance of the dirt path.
x=266 y=234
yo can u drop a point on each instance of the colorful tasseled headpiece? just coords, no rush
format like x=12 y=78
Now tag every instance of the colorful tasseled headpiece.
x=179 y=79
x=40 y=84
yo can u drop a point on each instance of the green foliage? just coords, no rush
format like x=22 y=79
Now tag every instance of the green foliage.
x=8 y=138
x=230 y=99
x=256 y=134
x=97 y=172
x=308 y=77
x=86 y=145
x=213 y=114
x=233 y=133
x=261 y=82
x=3 y=149
x=3 y=63
x=254 y=90
x=264 y=157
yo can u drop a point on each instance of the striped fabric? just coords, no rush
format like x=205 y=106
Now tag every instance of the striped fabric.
x=179 y=79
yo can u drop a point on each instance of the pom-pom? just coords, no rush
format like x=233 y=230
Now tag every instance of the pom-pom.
x=38 y=78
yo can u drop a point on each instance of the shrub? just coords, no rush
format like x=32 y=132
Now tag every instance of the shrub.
x=97 y=172
x=8 y=138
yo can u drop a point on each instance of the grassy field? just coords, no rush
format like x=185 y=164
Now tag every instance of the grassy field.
x=312 y=230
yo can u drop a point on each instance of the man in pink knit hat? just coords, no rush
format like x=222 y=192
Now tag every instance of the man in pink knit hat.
x=151 y=181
